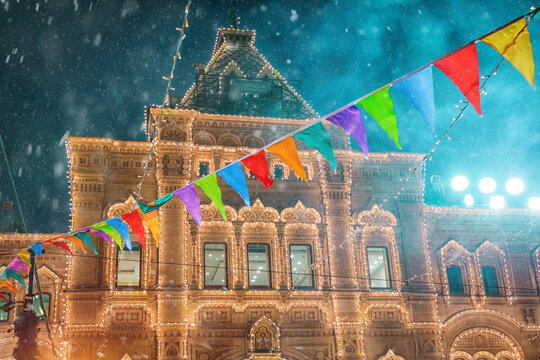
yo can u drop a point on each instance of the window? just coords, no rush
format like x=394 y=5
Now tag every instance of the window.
x=4 y=315
x=259 y=265
x=251 y=176
x=455 y=281
x=128 y=267
x=46 y=304
x=215 y=265
x=491 y=284
x=301 y=271
x=379 y=271
x=203 y=168
x=278 y=172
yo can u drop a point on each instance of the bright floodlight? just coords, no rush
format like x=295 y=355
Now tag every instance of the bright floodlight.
x=496 y=202
x=469 y=200
x=514 y=186
x=460 y=183
x=534 y=203
x=487 y=185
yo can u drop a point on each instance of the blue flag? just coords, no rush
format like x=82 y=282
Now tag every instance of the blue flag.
x=122 y=229
x=235 y=177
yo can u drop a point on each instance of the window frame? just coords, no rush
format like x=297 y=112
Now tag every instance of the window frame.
x=269 y=262
x=463 y=284
x=129 y=287
x=310 y=267
x=282 y=172
x=48 y=309
x=226 y=285
x=497 y=278
x=207 y=168
x=388 y=269
x=8 y=296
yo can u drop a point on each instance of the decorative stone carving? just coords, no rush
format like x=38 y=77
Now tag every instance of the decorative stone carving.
x=258 y=213
x=376 y=216
x=300 y=214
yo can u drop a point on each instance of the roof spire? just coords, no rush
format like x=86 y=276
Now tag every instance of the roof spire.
x=234 y=15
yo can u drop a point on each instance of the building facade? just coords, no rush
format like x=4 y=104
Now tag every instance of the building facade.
x=315 y=270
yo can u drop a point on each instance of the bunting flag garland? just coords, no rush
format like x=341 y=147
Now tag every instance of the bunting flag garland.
x=110 y=231
x=514 y=43
x=154 y=205
x=24 y=255
x=316 y=137
x=286 y=151
x=4 y=283
x=85 y=238
x=135 y=222
x=17 y=264
x=97 y=232
x=418 y=88
x=3 y=298
x=189 y=197
x=8 y=273
x=381 y=107
x=258 y=166
x=76 y=241
x=37 y=248
x=462 y=68
x=351 y=121
x=62 y=245
x=152 y=223
x=122 y=229
x=211 y=188
x=234 y=176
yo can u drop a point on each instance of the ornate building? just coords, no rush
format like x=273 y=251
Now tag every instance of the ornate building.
x=311 y=270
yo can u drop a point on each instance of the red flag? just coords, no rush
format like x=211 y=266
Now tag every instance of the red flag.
x=462 y=69
x=259 y=167
x=3 y=298
x=63 y=246
x=133 y=219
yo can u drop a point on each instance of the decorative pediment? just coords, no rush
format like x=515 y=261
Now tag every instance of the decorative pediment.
x=391 y=356
x=264 y=337
x=452 y=247
x=232 y=67
x=45 y=273
x=210 y=212
x=300 y=214
x=376 y=217
x=126 y=357
x=258 y=213
x=121 y=208
x=487 y=246
x=267 y=71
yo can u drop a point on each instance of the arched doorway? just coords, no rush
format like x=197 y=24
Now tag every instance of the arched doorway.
x=482 y=343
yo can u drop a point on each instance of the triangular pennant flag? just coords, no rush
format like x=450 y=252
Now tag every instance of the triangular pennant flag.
x=286 y=151
x=3 y=298
x=85 y=238
x=258 y=166
x=462 y=68
x=152 y=223
x=154 y=205
x=37 y=248
x=514 y=43
x=17 y=264
x=235 y=177
x=316 y=137
x=133 y=219
x=189 y=197
x=211 y=188
x=110 y=231
x=418 y=88
x=381 y=107
x=97 y=232
x=24 y=255
x=8 y=273
x=62 y=245
x=4 y=283
x=122 y=229
x=76 y=241
x=351 y=121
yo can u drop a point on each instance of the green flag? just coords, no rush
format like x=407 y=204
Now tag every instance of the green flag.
x=85 y=237
x=109 y=230
x=381 y=107
x=211 y=188
x=8 y=273
x=154 y=205
x=317 y=137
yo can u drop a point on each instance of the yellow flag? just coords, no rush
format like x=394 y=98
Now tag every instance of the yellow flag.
x=286 y=151
x=152 y=223
x=514 y=43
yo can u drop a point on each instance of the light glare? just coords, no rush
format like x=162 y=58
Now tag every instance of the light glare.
x=460 y=183
x=487 y=185
x=469 y=200
x=496 y=202
x=534 y=203
x=514 y=186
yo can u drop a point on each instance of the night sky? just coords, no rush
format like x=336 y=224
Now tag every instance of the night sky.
x=88 y=68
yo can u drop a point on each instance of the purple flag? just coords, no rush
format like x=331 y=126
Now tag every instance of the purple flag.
x=351 y=120
x=189 y=197
x=17 y=264
x=97 y=232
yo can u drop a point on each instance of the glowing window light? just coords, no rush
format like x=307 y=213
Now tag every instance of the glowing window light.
x=460 y=183
x=496 y=202
x=534 y=203
x=469 y=200
x=515 y=186
x=487 y=185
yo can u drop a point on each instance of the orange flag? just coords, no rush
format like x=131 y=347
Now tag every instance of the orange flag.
x=152 y=223
x=4 y=283
x=77 y=242
x=286 y=151
x=514 y=43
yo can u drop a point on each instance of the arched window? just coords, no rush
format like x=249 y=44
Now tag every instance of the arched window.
x=4 y=314
x=128 y=267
